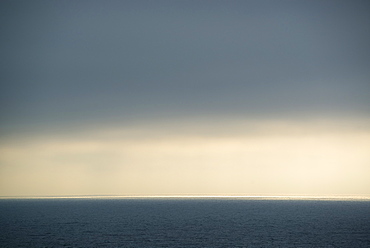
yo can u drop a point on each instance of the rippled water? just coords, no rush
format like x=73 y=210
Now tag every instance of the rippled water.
x=183 y=223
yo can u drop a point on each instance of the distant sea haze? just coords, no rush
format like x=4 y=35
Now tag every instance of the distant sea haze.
x=184 y=222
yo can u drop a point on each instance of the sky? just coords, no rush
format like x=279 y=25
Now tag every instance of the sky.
x=184 y=98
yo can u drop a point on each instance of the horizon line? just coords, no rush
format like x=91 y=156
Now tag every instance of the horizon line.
x=260 y=197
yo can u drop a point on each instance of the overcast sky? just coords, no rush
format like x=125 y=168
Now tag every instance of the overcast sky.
x=144 y=67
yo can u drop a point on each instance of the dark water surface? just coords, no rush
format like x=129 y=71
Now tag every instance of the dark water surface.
x=183 y=223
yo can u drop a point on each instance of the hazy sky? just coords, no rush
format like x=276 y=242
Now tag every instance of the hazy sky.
x=184 y=97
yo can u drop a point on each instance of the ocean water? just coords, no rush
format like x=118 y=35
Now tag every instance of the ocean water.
x=183 y=223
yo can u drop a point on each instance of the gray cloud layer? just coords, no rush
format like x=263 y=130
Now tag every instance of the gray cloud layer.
x=85 y=61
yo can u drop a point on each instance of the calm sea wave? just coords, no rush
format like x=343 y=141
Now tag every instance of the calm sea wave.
x=183 y=223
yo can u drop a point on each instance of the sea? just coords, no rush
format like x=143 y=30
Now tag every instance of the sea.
x=179 y=222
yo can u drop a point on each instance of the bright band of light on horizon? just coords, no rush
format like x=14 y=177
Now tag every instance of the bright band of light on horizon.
x=291 y=160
